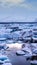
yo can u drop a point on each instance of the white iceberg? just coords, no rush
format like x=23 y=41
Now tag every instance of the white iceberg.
x=7 y=64
x=33 y=62
x=20 y=52
x=4 y=60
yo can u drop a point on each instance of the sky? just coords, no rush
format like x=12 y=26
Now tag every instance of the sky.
x=18 y=10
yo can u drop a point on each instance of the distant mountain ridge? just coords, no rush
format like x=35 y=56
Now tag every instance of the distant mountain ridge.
x=10 y=20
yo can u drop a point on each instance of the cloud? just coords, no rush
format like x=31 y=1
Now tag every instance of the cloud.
x=11 y=1
x=26 y=5
x=20 y=3
x=15 y=1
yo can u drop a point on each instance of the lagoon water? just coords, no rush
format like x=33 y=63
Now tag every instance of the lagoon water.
x=9 y=33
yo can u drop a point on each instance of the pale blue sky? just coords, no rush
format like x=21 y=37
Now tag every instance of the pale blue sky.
x=18 y=10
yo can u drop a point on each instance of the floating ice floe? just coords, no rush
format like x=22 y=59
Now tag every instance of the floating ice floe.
x=16 y=35
x=4 y=59
x=7 y=64
x=35 y=33
x=3 y=46
x=28 y=53
x=28 y=35
x=34 y=47
x=2 y=39
x=20 y=52
x=34 y=62
x=35 y=51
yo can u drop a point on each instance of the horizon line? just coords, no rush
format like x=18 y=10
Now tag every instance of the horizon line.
x=17 y=22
